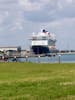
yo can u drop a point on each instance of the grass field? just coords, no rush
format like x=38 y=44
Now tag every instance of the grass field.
x=30 y=81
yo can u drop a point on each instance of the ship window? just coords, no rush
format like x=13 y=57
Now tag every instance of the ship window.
x=44 y=38
x=39 y=38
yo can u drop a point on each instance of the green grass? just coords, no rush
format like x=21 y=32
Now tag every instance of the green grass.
x=30 y=81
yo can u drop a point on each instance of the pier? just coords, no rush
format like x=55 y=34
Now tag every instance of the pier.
x=15 y=55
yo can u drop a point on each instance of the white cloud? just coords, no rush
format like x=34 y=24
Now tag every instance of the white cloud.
x=28 y=6
x=69 y=1
x=59 y=5
x=62 y=4
x=3 y=17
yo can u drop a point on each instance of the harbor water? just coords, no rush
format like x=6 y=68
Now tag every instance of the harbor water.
x=65 y=58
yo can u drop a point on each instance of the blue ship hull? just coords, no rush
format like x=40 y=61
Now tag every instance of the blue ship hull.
x=40 y=49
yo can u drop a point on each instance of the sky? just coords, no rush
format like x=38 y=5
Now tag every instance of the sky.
x=20 y=18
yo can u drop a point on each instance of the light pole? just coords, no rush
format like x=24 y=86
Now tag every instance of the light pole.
x=38 y=58
x=59 y=58
x=26 y=58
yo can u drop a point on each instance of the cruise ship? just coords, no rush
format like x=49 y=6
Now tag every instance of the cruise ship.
x=43 y=42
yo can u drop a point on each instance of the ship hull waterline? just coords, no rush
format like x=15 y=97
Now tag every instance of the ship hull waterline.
x=40 y=49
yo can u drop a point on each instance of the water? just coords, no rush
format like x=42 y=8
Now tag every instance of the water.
x=66 y=58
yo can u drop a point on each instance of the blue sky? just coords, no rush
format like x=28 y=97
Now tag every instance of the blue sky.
x=19 y=18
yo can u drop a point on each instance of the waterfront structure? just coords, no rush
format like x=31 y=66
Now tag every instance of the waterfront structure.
x=8 y=48
x=43 y=42
x=10 y=51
